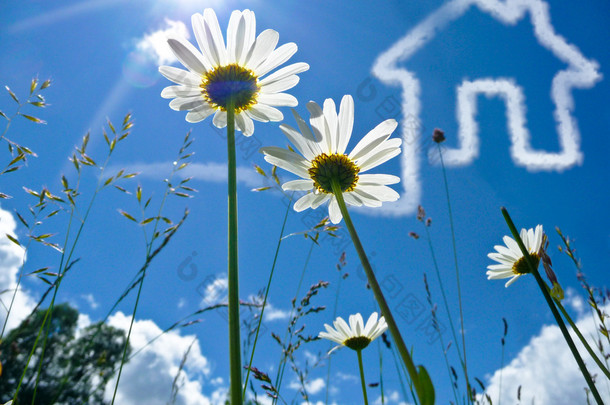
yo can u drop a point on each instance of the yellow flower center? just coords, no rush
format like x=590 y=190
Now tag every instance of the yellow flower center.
x=521 y=267
x=235 y=82
x=326 y=168
x=357 y=342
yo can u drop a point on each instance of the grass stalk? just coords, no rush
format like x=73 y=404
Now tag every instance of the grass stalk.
x=366 y=400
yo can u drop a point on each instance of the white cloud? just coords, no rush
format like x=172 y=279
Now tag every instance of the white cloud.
x=11 y=259
x=215 y=291
x=391 y=397
x=312 y=386
x=90 y=299
x=148 y=376
x=208 y=172
x=275 y=314
x=154 y=44
x=546 y=370
x=580 y=73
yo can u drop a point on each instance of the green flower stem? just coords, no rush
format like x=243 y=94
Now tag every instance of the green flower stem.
x=366 y=400
x=549 y=300
x=233 y=276
x=383 y=305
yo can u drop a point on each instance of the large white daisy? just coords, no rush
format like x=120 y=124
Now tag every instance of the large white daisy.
x=322 y=159
x=218 y=72
x=510 y=258
x=356 y=335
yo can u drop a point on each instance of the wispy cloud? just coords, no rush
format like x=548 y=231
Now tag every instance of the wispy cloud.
x=210 y=172
x=312 y=386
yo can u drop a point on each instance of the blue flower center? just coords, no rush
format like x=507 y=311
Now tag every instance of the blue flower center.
x=230 y=82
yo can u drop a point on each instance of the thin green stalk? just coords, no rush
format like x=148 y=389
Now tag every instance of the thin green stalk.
x=260 y=320
x=582 y=338
x=280 y=371
x=457 y=272
x=549 y=300
x=233 y=271
x=383 y=305
x=366 y=400
x=330 y=345
x=381 y=372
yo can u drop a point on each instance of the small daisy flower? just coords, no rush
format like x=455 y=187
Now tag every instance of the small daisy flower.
x=322 y=159
x=512 y=263
x=356 y=335
x=218 y=73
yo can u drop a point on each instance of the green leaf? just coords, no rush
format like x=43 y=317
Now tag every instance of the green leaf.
x=38 y=104
x=40 y=270
x=139 y=194
x=45 y=84
x=33 y=119
x=126 y=215
x=260 y=171
x=3 y=115
x=12 y=94
x=5 y=196
x=130 y=175
x=260 y=189
x=121 y=189
x=182 y=195
x=12 y=239
x=427 y=388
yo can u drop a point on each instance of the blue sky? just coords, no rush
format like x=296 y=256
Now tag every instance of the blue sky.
x=102 y=56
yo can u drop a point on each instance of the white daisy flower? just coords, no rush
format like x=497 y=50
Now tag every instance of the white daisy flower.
x=356 y=335
x=512 y=263
x=324 y=160
x=219 y=72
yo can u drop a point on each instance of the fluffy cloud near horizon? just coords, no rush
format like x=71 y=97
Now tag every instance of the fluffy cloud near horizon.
x=149 y=375
x=12 y=258
x=546 y=370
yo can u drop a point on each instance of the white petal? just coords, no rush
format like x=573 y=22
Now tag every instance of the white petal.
x=199 y=114
x=188 y=55
x=276 y=58
x=214 y=37
x=287 y=160
x=234 y=21
x=318 y=124
x=512 y=280
x=269 y=113
x=367 y=199
x=334 y=213
x=330 y=114
x=249 y=124
x=281 y=85
x=279 y=99
x=298 y=185
x=346 y=122
x=187 y=103
x=249 y=36
x=306 y=147
x=373 y=139
x=180 y=91
x=381 y=193
x=264 y=45
x=371 y=323
x=199 y=29
x=319 y=200
x=220 y=119
x=314 y=142
x=304 y=202
x=180 y=76
x=284 y=72
x=380 y=156
x=352 y=199
x=377 y=179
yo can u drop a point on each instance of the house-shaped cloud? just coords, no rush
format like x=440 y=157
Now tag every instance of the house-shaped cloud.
x=580 y=73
